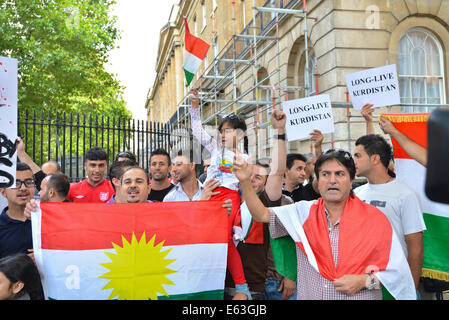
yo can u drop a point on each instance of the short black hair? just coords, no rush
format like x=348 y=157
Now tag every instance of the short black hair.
x=266 y=166
x=236 y=122
x=342 y=156
x=118 y=168
x=21 y=166
x=60 y=182
x=96 y=153
x=185 y=153
x=376 y=144
x=161 y=152
x=291 y=157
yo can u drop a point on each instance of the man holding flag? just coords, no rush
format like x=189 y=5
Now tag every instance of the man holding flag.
x=409 y=138
x=345 y=248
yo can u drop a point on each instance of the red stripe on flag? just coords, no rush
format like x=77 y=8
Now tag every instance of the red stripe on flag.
x=194 y=45
x=89 y=226
x=415 y=130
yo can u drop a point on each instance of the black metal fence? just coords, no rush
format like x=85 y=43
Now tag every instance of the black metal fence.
x=66 y=137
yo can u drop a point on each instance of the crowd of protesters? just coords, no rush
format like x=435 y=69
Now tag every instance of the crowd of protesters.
x=230 y=175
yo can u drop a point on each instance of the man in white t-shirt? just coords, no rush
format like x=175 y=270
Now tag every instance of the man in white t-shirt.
x=395 y=199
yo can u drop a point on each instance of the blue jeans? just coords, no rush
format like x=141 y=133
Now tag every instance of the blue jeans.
x=271 y=290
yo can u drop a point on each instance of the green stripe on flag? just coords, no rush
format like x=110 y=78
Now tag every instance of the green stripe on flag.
x=436 y=253
x=284 y=256
x=204 y=295
x=189 y=77
x=386 y=295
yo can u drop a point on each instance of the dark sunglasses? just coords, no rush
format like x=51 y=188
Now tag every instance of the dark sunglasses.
x=232 y=116
x=125 y=155
x=346 y=154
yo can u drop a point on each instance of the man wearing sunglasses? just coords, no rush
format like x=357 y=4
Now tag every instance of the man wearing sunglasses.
x=15 y=228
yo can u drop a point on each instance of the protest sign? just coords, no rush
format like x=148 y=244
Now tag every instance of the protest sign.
x=8 y=121
x=378 y=86
x=308 y=114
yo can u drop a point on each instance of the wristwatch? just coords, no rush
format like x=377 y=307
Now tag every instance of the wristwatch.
x=280 y=136
x=374 y=282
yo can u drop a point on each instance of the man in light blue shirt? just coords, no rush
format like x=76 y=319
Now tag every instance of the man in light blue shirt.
x=188 y=187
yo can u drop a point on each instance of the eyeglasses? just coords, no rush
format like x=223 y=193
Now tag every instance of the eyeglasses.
x=29 y=183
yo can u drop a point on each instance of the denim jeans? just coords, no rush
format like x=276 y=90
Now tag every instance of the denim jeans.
x=271 y=290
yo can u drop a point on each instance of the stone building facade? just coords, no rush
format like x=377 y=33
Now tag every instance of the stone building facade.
x=342 y=37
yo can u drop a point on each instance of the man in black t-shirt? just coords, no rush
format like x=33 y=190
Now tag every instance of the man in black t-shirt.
x=160 y=165
x=294 y=179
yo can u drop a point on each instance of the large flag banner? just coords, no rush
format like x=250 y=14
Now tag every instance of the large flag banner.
x=365 y=244
x=8 y=121
x=195 y=51
x=132 y=251
x=436 y=215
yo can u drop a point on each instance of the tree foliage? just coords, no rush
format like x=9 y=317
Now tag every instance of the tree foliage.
x=62 y=47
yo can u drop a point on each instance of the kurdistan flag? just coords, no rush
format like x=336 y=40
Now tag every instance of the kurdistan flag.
x=436 y=215
x=170 y=250
x=195 y=51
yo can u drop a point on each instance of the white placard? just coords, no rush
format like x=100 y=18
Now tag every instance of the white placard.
x=378 y=86
x=308 y=114
x=8 y=121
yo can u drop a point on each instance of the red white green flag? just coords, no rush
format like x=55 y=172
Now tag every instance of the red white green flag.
x=195 y=51
x=133 y=251
x=436 y=215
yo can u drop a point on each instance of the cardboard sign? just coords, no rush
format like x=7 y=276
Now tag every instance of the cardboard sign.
x=308 y=114
x=378 y=86
x=8 y=122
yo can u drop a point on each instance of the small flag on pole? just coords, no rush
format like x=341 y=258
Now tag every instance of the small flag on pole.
x=195 y=51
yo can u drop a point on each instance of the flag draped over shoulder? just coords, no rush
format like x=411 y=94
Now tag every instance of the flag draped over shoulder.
x=195 y=51
x=132 y=251
x=436 y=215
x=367 y=243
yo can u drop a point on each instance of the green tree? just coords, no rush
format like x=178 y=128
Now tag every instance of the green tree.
x=62 y=47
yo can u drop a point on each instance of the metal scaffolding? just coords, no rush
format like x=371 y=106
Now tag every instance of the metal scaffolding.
x=242 y=53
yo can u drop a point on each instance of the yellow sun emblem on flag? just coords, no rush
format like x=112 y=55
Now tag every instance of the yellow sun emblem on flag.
x=138 y=271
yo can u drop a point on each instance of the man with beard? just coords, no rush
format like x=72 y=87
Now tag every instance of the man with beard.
x=188 y=188
x=15 y=228
x=115 y=175
x=54 y=188
x=160 y=165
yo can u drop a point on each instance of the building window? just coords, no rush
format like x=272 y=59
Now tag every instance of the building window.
x=420 y=70
x=203 y=7
x=243 y=14
x=309 y=74
x=215 y=45
x=195 y=26
x=214 y=5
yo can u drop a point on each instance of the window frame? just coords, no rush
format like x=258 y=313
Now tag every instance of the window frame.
x=410 y=107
